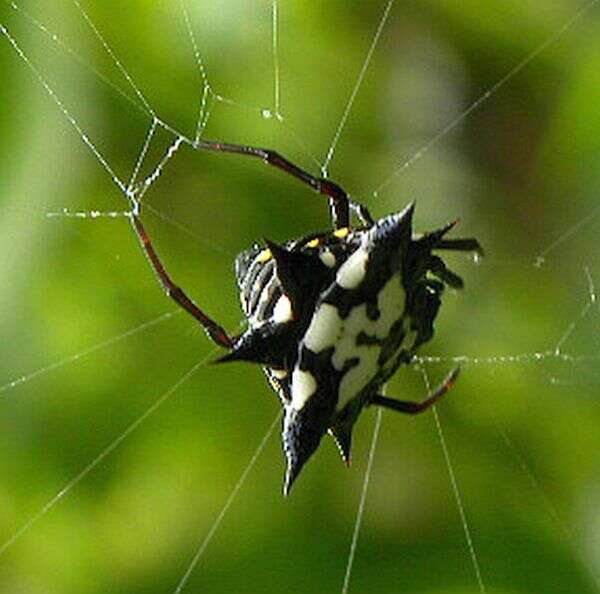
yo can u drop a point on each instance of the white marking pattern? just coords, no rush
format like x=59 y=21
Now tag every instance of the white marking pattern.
x=328 y=259
x=282 y=313
x=304 y=385
x=324 y=330
x=327 y=329
x=353 y=271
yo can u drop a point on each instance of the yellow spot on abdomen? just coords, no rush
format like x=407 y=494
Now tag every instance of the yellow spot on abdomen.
x=264 y=256
x=341 y=233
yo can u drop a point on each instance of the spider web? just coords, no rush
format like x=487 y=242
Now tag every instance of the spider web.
x=567 y=363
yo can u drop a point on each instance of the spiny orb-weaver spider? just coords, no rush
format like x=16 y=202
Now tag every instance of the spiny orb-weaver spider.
x=331 y=316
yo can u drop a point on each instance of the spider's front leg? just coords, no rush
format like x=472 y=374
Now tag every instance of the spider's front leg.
x=362 y=212
x=339 y=201
x=215 y=332
x=414 y=408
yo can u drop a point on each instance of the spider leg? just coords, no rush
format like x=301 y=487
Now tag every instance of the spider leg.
x=362 y=212
x=413 y=408
x=460 y=245
x=214 y=330
x=438 y=268
x=339 y=202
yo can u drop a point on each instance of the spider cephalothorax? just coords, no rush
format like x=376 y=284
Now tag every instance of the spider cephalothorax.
x=332 y=316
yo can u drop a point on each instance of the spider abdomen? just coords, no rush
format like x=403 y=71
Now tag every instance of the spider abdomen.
x=359 y=339
x=331 y=317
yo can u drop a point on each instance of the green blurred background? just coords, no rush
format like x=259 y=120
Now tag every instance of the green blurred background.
x=521 y=172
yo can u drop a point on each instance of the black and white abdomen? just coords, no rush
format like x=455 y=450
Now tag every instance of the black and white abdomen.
x=261 y=294
x=332 y=316
x=355 y=335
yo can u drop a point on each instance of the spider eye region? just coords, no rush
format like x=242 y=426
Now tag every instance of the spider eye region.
x=332 y=316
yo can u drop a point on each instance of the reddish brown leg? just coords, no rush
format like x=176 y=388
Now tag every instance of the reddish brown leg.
x=414 y=408
x=339 y=203
x=214 y=331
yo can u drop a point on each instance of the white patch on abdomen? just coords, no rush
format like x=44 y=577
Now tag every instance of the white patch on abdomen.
x=324 y=330
x=304 y=385
x=390 y=302
x=282 y=312
x=328 y=330
x=356 y=378
x=280 y=374
x=328 y=259
x=352 y=272
x=346 y=348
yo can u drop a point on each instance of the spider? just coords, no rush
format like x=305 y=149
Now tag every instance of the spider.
x=330 y=316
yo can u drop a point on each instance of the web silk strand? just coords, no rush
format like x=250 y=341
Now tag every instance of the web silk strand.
x=114 y=58
x=228 y=503
x=551 y=508
x=459 y=503
x=102 y=456
x=357 y=86
x=86 y=352
x=59 y=42
x=275 y=52
x=487 y=95
x=67 y=114
x=361 y=505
